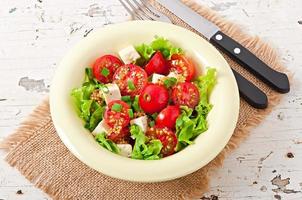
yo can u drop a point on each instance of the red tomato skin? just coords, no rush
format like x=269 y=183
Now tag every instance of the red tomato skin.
x=115 y=119
x=153 y=98
x=166 y=136
x=157 y=65
x=112 y=63
x=133 y=73
x=182 y=65
x=185 y=94
x=118 y=136
x=168 y=116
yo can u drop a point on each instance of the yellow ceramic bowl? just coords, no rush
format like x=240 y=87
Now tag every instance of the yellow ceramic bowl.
x=222 y=119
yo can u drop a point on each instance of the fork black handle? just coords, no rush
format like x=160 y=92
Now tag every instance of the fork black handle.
x=250 y=93
x=276 y=80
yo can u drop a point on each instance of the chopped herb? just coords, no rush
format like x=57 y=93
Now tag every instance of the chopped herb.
x=126 y=98
x=151 y=123
x=154 y=115
x=130 y=112
x=135 y=104
x=131 y=85
x=117 y=107
x=170 y=82
x=105 y=72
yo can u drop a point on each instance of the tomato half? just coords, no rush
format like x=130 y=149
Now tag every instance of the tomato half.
x=168 y=116
x=131 y=79
x=157 y=65
x=167 y=138
x=153 y=98
x=182 y=65
x=119 y=137
x=116 y=115
x=105 y=66
x=185 y=94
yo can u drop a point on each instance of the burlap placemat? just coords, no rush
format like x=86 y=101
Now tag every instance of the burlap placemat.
x=37 y=152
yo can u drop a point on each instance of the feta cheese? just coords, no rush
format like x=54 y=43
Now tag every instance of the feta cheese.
x=125 y=150
x=156 y=78
x=111 y=93
x=142 y=122
x=179 y=77
x=173 y=75
x=129 y=55
x=101 y=128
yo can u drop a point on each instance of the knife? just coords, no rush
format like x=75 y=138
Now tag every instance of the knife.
x=276 y=80
x=250 y=93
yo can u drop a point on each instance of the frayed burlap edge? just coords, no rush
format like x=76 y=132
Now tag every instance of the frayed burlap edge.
x=254 y=44
x=25 y=129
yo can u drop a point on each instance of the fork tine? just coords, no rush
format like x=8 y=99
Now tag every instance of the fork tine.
x=137 y=11
x=157 y=15
x=145 y=10
x=130 y=11
x=147 y=5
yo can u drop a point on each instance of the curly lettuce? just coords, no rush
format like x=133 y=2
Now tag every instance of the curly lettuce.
x=192 y=123
x=158 y=44
x=144 y=149
x=89 y=110
x=106 y=143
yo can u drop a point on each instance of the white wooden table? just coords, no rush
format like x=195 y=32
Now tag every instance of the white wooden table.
x=35 y=35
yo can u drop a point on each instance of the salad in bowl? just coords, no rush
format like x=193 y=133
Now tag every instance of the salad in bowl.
x=146 y=102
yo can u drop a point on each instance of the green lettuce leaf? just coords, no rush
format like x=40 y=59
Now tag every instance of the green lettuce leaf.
x=146 y=51
x=144 y=149
x=89 y=110
x=189 y=124
x=85 y=109
x=165 y=47
x=80 y=96
x=158 y=44
x=96 y=116
x=205 y=85
x=106 y=143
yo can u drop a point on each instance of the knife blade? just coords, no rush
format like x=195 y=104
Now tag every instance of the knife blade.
x=276 y=80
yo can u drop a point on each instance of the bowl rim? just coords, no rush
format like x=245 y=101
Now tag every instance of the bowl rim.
x=177 y=160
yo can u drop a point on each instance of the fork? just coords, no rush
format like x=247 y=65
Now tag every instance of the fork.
x=143 y=10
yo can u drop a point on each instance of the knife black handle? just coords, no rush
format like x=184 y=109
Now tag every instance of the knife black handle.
x=276 y=80
x=250 y=93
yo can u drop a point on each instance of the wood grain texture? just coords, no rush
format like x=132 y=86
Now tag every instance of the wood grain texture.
x=35 y=35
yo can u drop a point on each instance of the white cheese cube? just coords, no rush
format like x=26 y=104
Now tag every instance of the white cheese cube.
x=101 y=127
x=173 y=75
x=156 y=78
x=142 y=122
x=180 y=78
x=125 y=150
x=111 y=93
x=129 y=55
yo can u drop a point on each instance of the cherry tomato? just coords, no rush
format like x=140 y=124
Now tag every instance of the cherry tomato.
x=153 y=98
x=131 y=79
x=167 y=138
x=157 y=65
x=182 y=65
x=116 y=115
x=168 y=116
x=185 y=94
x=119 y=137
x=104 y=68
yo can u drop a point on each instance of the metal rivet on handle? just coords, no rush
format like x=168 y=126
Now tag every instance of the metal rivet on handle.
x=237 y=51
x=218 y=37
